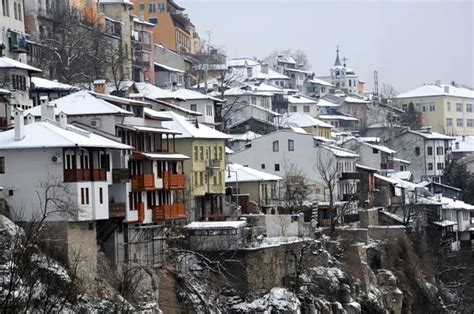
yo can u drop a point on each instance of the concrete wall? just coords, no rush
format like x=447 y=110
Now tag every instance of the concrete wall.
x=368 y=217
x=82 y=248
x=386 y=232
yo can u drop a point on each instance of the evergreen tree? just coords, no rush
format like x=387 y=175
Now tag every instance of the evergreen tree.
x=411 y=118
x=457 y=175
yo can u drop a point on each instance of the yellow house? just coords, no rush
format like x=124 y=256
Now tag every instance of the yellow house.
x=205 y=186
x=309 y=124
x=447 y=109
x=173 y=28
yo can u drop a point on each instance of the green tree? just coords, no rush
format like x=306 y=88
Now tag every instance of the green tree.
x=411 y=118
x=457 y=175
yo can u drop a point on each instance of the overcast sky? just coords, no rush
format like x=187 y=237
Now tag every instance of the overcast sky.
x=409 y=43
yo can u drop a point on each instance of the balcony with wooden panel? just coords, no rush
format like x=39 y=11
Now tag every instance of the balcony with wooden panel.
x=168 y=212
x=141 y=212
x=173 y=181
x=81 y=175
x=143 y=182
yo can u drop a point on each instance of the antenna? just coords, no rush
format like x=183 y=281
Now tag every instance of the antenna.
x=376 y=83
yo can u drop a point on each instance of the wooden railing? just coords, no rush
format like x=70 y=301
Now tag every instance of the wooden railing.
x=167 y=212
x=173 y=181
x=116 y=210
x=120 y=175
x=143 y=182
x=77 y=175
x=141 y=212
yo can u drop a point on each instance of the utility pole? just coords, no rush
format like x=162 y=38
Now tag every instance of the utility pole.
x=207 y=61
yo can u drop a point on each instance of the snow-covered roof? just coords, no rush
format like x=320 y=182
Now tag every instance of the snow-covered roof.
x=297 y=70
x=48 y=134
x=240 y=62
x=81 y=103
x=435 y=90
x=326 y=103
x=386 y=179
x=402 y=175
x=403 y=161
x=156 y=114
x=371 y=145
x=189 y=130
x=154 y=92
x=300 y=99
x=449 y=203
x=297 y=129
x=168 y=68
x=366 y=168
x=247 y=136
x=41 y=83
x=445 y=223
x=336 y=117
x=240 y=173
x=356 y=100
x=164 y=156
x=432 y=135
x=152 y=129
x=216 y=224
x=120 y=100
x=228 y=150
x=319 y=81
x=286 y=59
x=4 y=91
x=323 y=139
x=7 y=63
x=340 y=152
x=304 y=120
x=463 y=144
x=273 y=113
x=188 y=94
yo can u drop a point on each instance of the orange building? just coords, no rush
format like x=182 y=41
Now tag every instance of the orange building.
x=173 y=27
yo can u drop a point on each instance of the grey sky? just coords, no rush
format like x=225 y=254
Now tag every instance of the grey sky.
x=408 y=42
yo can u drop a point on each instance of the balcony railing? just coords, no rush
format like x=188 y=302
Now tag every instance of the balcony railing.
x=120 y=175
x=78 y=175
x=173 y=181
x=143 y=182
x=168 y=212
x=214 y=164
x=350 y=176
x=116 y=210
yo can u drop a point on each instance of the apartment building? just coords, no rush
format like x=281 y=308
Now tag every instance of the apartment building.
x=12 y=30
x=446 y=108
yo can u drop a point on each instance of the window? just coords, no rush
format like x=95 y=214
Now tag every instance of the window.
x=101 y=196
x=254 y=100
x=152 y=8
x=468 y=107
x=193 y=107
x=448 y=105
x=440 y=166
x=196 y=153
x=291 y=145
x=277 y=167
x=459 y=122
x=417 y=151
x=439 y=150
x=209 y=110
x=276 y=146
x=14 y=10
x=201 y=179
x=153 y=20
x=470 y=123
x=430 y=166
x=2 y=164
x=161 y=7
x=201 y=153
x=375 y=151
x=249 y=72
x=294 y=109
x=449 y=121
x=142 y=7
x=221 y=153
x=306 y=109
x=432 y=107
x=458 y=107
x=430 y=150
x=262 y=166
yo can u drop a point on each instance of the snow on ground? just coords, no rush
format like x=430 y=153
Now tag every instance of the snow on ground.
x=277 y=300
x=265 y=242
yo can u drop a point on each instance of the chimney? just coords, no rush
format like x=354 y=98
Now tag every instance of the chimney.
x=99 y=86
x=30 y=119
x=62 y=120
x=438 y=83
x=19 y=125
x=47 y=109
x=446 y=89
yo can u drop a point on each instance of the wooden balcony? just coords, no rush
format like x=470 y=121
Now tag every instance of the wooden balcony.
x=350 y=176
x=143 y=182
x=173 y=181
x=141 y=212
x=168 y=212
x=78 y=175
x=116 y=210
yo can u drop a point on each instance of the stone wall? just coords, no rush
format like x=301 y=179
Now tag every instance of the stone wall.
x=386 y=232
x=352 y=235
x=368 y=217
x=82 y=248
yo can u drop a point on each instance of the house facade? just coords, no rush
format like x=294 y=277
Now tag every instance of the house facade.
x=12 y=32
x=446 y=108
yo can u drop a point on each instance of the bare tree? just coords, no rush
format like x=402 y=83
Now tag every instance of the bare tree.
x=388 y=91
x=295 y=189
x=299 y=55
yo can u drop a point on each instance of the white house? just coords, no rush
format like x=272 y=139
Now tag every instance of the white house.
x=284 y=153
x=238 y=141
x=303 y=104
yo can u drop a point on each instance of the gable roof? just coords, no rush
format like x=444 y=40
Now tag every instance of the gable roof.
x=300 y=99
x=304 y=120
x=41 y=83
x=247 y=136
x=81 y=103
x=240 y=173
x=48 y=134
x=189 y=129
